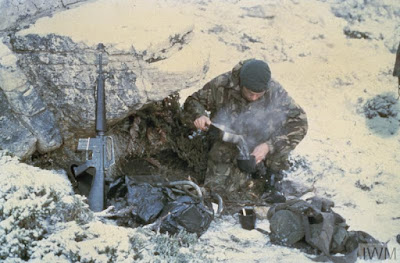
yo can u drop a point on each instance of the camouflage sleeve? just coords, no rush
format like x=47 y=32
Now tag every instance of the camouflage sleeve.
x=294 y=128
x=206 y=98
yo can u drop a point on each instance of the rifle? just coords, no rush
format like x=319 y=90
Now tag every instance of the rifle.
x=101 y=158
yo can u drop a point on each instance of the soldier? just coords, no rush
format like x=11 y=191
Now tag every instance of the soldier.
x=252 y=104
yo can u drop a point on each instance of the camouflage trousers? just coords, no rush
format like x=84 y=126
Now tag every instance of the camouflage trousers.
x=224 y=177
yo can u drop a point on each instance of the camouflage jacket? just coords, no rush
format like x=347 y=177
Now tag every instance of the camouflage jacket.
x=274 y=118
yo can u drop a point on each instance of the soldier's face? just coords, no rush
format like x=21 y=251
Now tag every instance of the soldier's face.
x=251 y=95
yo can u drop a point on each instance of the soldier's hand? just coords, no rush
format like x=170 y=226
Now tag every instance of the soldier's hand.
x=260 y=152
x=202 y=123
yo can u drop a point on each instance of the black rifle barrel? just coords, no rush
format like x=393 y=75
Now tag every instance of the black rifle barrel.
x=101 y=103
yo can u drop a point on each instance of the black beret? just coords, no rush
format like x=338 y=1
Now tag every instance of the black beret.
x=255 y=75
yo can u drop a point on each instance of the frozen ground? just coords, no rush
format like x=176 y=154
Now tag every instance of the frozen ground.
x=349 y=155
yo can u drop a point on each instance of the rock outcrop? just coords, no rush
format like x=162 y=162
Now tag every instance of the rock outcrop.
x=18 y=14
x=47 y=83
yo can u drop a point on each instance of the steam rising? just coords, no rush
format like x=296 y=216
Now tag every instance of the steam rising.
x=230 y=136
x=256 y=122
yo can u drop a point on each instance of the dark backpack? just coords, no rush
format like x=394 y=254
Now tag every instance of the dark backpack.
x=314 y=223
